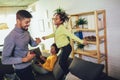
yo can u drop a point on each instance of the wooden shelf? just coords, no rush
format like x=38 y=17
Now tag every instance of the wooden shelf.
x=99 y=31
x=91 y=53
x=85 y=29
x=88 y=13
x=83 y=13
x=101 y=28
x=101 y=37
x=94 y=42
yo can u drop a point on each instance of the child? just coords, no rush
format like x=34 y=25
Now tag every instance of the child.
x=49 y=62
x=61 y=36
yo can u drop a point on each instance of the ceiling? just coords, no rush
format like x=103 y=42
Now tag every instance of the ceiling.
x=16 y=3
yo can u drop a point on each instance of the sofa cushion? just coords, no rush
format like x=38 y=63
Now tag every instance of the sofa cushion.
x=6 y=69
x=48 y=76
x=57 y=71
x=85 y=70
x=70 y=76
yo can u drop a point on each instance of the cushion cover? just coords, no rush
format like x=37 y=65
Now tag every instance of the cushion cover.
x=57 y=71
x=70 y=76
x=85 y=70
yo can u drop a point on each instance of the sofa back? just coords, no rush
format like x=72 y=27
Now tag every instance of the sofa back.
x=57 y=71
x=85 y=70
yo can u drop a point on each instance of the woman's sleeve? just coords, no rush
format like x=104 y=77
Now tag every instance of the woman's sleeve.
x=50 y=36
x=72 y=36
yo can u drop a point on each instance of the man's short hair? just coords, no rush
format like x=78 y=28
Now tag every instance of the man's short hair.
x=21 y=14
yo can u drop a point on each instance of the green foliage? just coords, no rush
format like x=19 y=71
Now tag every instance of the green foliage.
x=81 y=21
x=81 y=46
x=59 y=10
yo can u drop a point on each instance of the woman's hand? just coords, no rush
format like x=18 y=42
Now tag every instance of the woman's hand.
x=85 y=42
x=39 y=64
x=43 y=58
x=43 y=38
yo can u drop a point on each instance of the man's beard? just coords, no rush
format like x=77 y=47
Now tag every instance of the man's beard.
x=24 y=29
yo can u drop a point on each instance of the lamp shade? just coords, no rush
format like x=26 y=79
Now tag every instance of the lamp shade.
x=3 y=26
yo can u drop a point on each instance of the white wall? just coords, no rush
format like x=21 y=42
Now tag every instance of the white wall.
x=41 y=24
x=7 y=15
x=112 y=16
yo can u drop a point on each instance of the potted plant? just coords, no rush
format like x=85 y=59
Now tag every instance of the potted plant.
x=80 y=46
x=81 y=21
x=59 y=10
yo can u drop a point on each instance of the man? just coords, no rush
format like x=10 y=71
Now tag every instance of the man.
x=15 y=49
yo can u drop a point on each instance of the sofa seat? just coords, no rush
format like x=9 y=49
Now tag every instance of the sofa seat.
x=84 y=70
x=56 y=74
x=48 y=76
x=5 y=69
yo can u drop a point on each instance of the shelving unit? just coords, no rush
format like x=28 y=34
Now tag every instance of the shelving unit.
x=97 y=26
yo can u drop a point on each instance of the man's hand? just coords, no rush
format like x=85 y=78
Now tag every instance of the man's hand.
x=28 y=58
x=38 y=40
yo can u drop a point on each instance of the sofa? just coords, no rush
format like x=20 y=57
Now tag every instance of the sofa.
x=82 y=69
x=5 y=70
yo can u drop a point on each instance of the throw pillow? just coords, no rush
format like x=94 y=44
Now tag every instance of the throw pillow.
x=57 y=71
x=85 y=70
x=70 y=76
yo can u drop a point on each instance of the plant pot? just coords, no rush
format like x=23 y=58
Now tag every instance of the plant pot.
x=81 y=26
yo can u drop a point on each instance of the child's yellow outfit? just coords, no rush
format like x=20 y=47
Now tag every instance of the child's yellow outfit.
x=49 y=63
x=61 y=36
x=47 y=66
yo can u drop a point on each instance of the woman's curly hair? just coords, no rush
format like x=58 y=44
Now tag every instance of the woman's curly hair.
x=63 y=15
